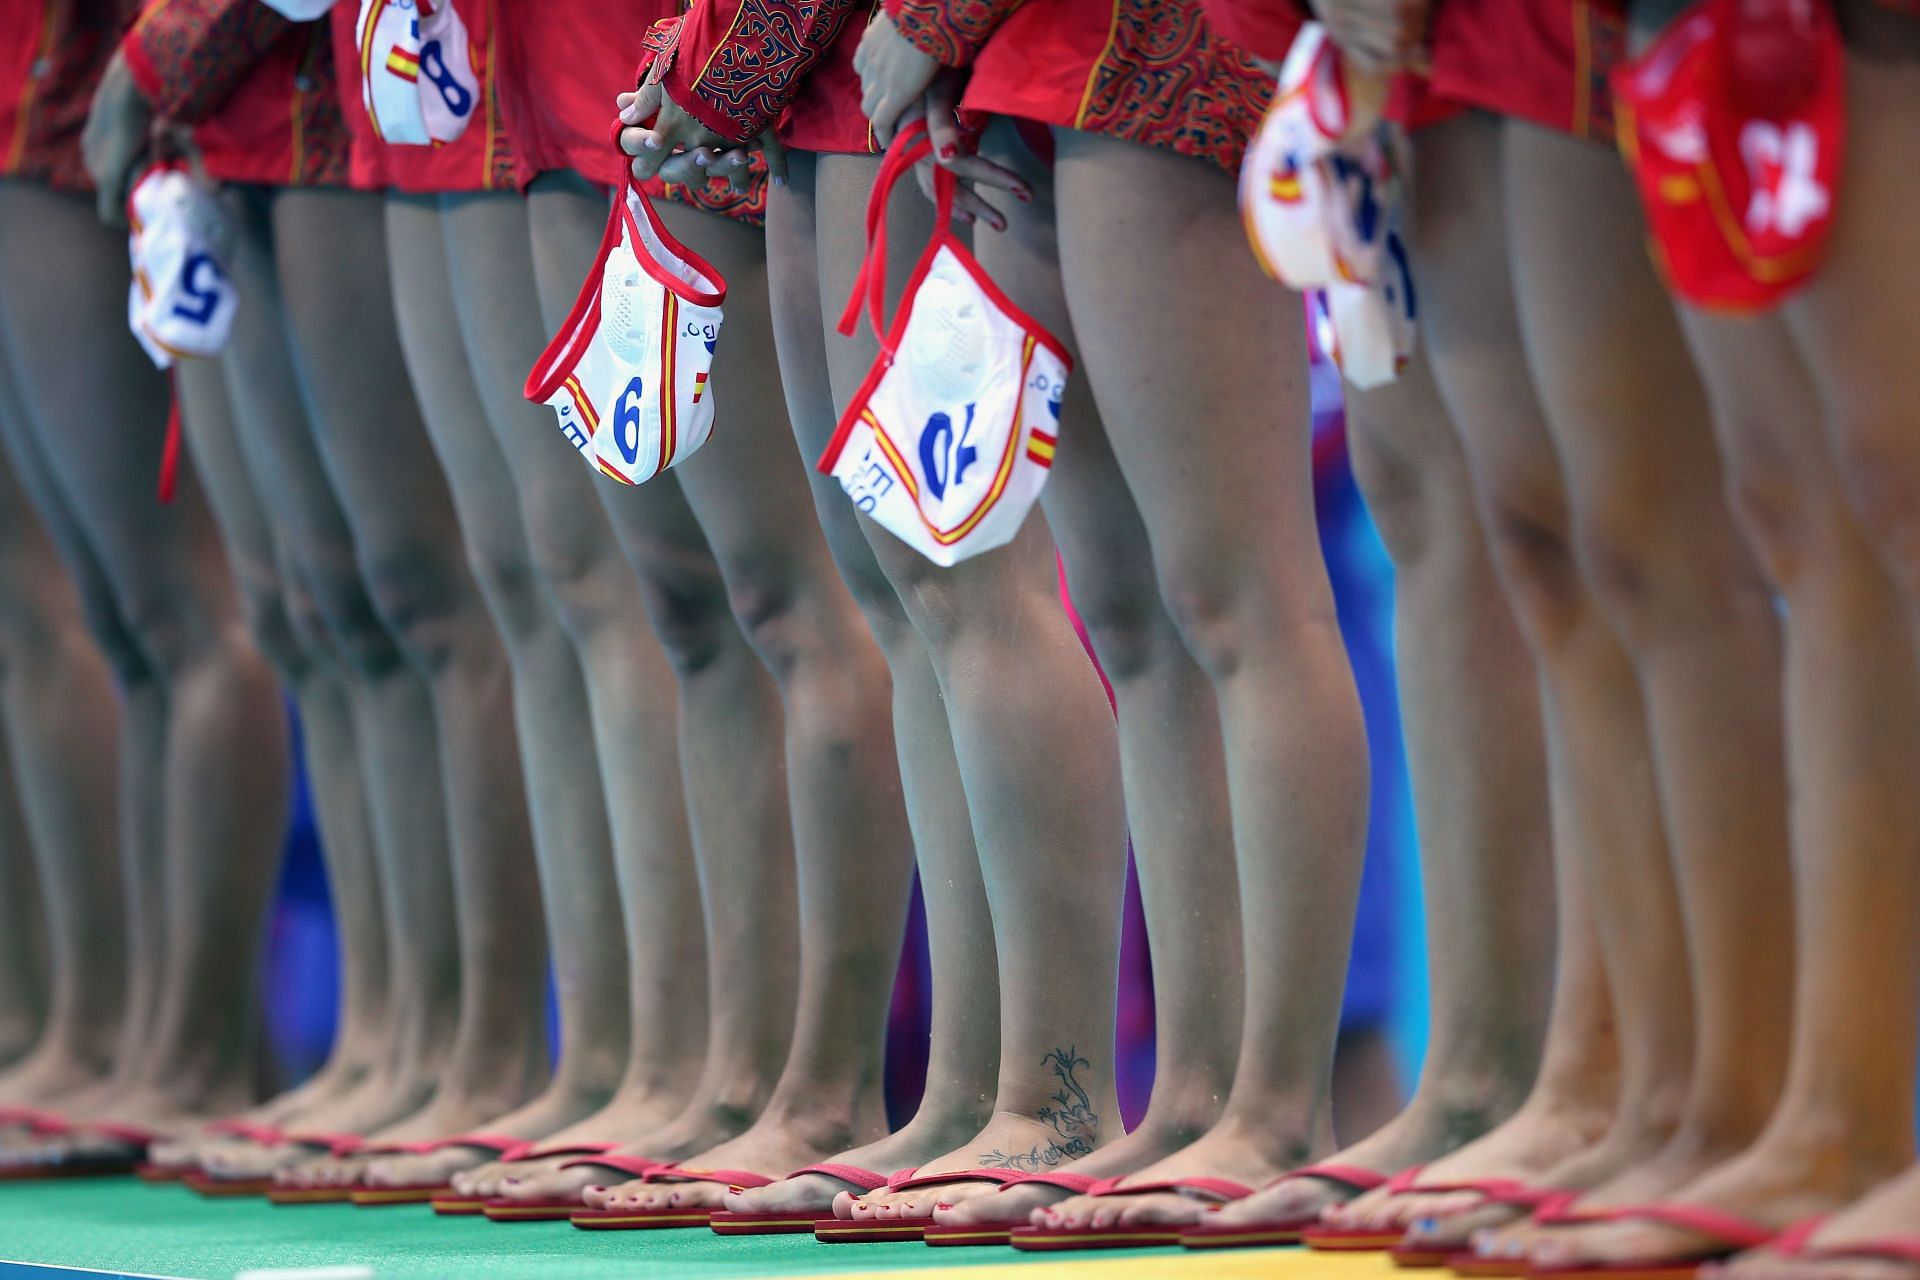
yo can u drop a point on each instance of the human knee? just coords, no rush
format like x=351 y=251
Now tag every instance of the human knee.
x=1396 y=490
x=263 y=608
x=1766 y=492
x=1126 y=623
x=690 y=617
x=765 y=600
x=510 y=584
x=1209 y=600
x=1532 y=548
x=345 y=610
x=1883 y=478
x=418 y=599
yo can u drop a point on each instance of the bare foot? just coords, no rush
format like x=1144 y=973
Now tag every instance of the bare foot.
x=925 y=1138
x=776 y=1145
x=1542 y=1136
x=551 y=1112
x=626 y=1123
x=1875 y=1238
x=1776 y=1183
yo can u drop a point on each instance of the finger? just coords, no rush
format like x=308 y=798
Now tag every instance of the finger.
x=776 y=155
x=968 y=201
x=943 y=128
x=680 y=168
x=640 y=105
x=924 y=173
x=980 y=171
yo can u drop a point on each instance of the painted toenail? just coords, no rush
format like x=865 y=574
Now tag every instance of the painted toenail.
x=943 y=1206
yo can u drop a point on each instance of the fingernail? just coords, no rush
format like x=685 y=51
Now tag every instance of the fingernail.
x=650 y=142
x=948 y=151
x=630 y=114
x=1425 y=1226
x=943 y=1206
x=779 y=182
x=701 y=161
x=1024 y=197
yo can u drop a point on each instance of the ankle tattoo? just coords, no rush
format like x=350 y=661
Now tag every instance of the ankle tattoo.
x=1073 y=1120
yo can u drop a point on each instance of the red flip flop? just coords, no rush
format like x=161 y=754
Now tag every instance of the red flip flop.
x=1061 y=1239
x=1547 y=1207
x=560 y=1208
x=800 y=1221
x=227 y=1188
x=891 y=1230
x=984 y=1233
x=666 y=1219
x=1725 y=1234
x=1317 y=1235
x=1250 y=1235
x=504 y=1148
x=265 y=1135
x=42 y=1123
x=336 y=1144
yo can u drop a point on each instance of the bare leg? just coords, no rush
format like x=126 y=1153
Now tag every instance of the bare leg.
x=1474 y=745
x=1611 y=850
x=223 y=753
x=1169 y=737
x=57 y=707
x=755 y=509
x=444 y=678
x=1236 y=558
x=1845 y=1119
x=23 y=970
x=1042 y=787
x=1665 y=564
x=453 y=319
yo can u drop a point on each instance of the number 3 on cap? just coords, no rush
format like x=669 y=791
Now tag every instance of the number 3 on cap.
x=626 y=423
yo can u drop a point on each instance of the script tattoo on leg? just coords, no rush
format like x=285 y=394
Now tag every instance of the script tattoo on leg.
x=1071 y=1117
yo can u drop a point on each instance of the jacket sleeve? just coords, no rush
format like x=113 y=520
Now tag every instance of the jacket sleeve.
x=737 y=63
x=951 y=32
x=186 y=56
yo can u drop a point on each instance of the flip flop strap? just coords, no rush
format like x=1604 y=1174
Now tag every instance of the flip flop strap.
x=41 y=1122
x=1406 y=1180
x=337 y=1144
x=535 y=1151
x=1079 y=1184
x=1217 y=1188
x=1509 y=1191
x=1891 y=1248
x=265 y=1134
x=131 y=1134
x=1721 y=1228
x=637 y=1166
x=851 y=1174
x=1001 y=1176
x=1796 y=1239
x=725 y=1177
x=1351 y=1175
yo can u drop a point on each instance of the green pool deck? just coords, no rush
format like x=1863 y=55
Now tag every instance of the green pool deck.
x=122 y=1227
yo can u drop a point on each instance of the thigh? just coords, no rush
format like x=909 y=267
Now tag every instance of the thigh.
x=95 y=405
x=1207 y=406
x=796 y=223
x=212 y=439
x=277 y=442
x=1089 y=510
x=1856 y=321
x=1471 y=328
x=1616 y=380
x=331 y=250
x=491 y=285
